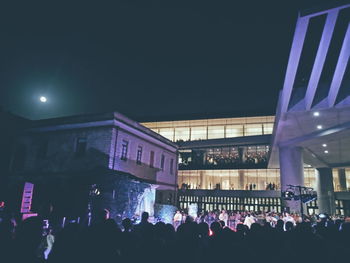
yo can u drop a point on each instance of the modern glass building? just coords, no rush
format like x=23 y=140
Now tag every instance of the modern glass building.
x=246 y=162
x=223 y=164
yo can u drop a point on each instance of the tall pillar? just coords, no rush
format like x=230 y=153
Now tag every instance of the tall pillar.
x=292 y=172
x=203 y=180
x=342 y=179
x=241 y=180
x=325 y=190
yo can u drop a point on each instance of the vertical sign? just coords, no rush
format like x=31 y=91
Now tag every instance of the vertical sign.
x=27 y=197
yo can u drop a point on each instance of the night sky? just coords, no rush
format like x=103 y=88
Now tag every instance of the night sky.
x=147 y=59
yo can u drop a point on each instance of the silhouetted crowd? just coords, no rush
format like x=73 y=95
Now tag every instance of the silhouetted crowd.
x=325 y=240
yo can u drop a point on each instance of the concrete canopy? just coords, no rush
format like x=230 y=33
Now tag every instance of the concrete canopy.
x=314 y=114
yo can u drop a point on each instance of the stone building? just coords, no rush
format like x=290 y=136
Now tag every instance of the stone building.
x=127 y=164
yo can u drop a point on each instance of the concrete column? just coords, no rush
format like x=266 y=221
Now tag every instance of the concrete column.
x=325 y=190
x=342 y=179
x=204 y=180
x=292 y=172
x=241 y=180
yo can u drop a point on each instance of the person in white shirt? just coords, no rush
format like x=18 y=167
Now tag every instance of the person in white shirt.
x=223 y=217
x=50 y=239
x=177 y=219
x=288 y=218
x=249 y=220
x=270 y=219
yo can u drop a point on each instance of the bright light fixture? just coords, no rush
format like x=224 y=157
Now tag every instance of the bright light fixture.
x=324 y=145
x=319 y=127
x=316 y=114
x=43 y=99
x=325 y=151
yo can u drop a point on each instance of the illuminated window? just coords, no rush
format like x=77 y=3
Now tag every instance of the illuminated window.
x=199 y=133
x=253 y=129
x=268 y=128
x=182 y=134
x=167 y=133
x=234 y=131
x=216 y=132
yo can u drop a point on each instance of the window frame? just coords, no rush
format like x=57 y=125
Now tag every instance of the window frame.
x=139 y=155
x=124 y=150
x=162 y=162
x=171 y=168
x=151 y=159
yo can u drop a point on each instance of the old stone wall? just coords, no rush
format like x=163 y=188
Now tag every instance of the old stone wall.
x=61 y=153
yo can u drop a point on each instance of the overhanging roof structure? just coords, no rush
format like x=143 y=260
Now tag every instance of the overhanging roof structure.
x=313 y=111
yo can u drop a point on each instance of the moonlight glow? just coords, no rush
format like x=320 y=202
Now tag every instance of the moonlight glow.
x=43 y=99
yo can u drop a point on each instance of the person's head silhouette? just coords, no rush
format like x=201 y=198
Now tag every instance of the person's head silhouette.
x=144 y=217
x=127 y=224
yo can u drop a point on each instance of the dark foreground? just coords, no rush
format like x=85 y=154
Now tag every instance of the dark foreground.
x=328 y=241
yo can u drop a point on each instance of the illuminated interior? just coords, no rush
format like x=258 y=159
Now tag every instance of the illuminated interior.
x=242 y=179
x=249 y=156
x=212 y=128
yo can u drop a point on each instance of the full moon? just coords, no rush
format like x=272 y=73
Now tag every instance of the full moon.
x=43 y=99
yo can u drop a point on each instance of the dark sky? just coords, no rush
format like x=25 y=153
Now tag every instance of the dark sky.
x=147 y=59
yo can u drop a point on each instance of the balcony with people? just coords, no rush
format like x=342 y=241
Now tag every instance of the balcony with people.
x=242 y=157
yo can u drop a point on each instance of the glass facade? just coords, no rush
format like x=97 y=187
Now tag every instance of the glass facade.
x=231 y=167
x=212 y=128
x=250 y=156
x=336 y=182
x=243 y=179
x=340 y=208
x=310 y=178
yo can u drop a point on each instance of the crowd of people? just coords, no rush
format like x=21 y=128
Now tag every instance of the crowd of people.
x=232 y=219
x=212 y=159
x=209 y=237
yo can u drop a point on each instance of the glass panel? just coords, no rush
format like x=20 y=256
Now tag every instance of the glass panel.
x=167 y=133
x=199 y=133
x=309 y=177
x=250 y=179
x=216 y=132
x=182 y=134
x=234 y=131
x=268 y=128
x=253 y=129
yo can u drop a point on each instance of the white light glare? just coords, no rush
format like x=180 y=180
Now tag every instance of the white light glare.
x=43 y=99
x=325 y=151
x=316 y=114
x=324 y=145
x=319 y=127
